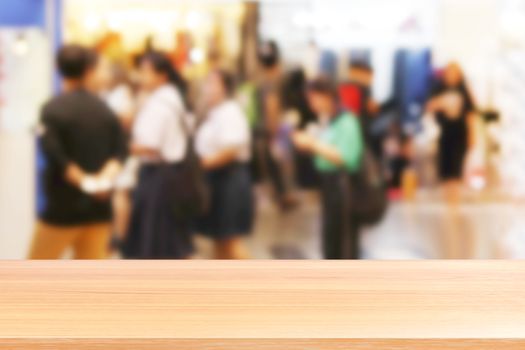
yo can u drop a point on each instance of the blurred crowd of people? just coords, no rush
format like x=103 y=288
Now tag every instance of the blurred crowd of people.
x=140 y=160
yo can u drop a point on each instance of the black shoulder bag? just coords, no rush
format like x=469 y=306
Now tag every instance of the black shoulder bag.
x=369 y=200
x=187 y=187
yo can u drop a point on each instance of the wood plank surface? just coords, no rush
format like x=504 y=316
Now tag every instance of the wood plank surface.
x=262 y=305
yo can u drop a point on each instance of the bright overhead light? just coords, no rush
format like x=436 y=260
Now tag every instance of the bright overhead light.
x=197 y=55
x=193 y=19
x=302 y=19
x=91 y=22
x=114 y=23
x=21 y=46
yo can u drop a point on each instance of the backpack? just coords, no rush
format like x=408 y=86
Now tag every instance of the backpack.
x=368 y=186
x=369 y=198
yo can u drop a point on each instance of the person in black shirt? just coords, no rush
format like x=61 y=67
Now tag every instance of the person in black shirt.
x=83 y=144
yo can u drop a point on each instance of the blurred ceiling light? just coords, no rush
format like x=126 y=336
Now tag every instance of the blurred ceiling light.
x=159 y=25
x=91 y=22
x=302 y=19
x=114 y=23
x=193 y=19
x=21 y=46
x=197 y=55
x=512 y=25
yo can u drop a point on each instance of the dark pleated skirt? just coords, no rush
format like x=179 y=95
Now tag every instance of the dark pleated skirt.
x=154 y=232
x=232 y=206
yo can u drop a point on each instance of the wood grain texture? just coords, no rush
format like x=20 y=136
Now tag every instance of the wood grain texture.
x=215 y=305
x=262 y=344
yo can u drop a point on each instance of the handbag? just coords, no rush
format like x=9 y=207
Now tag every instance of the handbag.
x=187 y=188
x=368 y=192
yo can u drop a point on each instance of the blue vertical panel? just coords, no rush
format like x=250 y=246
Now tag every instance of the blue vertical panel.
x=57 y=17
x=328 y=64
x=53 y=9
x=413 y=71
x=22 y=13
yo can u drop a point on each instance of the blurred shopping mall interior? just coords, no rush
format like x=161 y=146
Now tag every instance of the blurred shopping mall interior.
x=406 y=43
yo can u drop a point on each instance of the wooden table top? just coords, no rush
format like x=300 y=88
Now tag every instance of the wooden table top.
x=262 y=305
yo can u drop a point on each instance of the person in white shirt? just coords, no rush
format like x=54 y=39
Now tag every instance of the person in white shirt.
x=159 y=140
x=223 y=142
x=112 y=84
x=120 y=96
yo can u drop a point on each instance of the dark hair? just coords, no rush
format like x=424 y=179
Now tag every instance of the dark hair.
x=405 y=139
x=162 y=65
x=72 y=61
x=227 y=80
x=325 y=87
x=268 y=54
x=294 y=96
x=361 y=65
x=293 y=88
x=92 y=58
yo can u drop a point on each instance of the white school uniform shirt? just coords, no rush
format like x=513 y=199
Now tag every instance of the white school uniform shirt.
x=225 y=127
x=121 y=101
x=158 y=125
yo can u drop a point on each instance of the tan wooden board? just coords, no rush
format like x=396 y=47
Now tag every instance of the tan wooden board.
x=262 y=305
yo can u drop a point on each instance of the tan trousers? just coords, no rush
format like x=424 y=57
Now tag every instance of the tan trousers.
x=87 y=241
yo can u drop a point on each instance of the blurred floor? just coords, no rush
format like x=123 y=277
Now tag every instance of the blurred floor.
x=278 y=234
x=430 y=231
x=425 y=229
x=482 y=228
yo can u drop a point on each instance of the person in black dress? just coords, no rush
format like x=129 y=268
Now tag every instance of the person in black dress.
x=454 y=110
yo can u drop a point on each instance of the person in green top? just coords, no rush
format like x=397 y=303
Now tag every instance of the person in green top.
x=338 y=150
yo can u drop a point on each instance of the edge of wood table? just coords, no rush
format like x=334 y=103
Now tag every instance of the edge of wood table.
x=215 y=305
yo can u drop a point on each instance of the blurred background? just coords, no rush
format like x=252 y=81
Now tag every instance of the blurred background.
x=399 y=49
